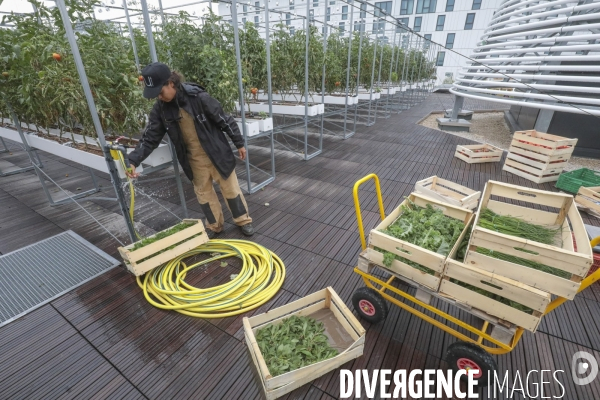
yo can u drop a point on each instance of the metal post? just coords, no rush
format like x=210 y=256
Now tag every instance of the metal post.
x=458 y=105
x=269 y=94
x=387 y=104
x=148 y=26
x=131 y=36
x=349 y=66
x=404 y=70
x=324 y=68
x=307 y=25
x=236 y=38
x=360 y=40
x=379 y=73
x=92 y=107
x=373 y=77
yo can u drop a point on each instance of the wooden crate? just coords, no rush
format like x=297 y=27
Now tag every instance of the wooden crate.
x=563 y=256
x=448 y=192
x=508 y=288
x=589 y=198
x=429 y=259
x=537 y=156
x=145 y=258
x=478 y=153
x=327 y=298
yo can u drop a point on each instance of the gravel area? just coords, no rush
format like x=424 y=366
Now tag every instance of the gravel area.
x=491 y=128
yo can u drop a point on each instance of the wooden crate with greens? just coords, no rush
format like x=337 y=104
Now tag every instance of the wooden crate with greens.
x=148 y=253
x=297 y=343
x=530 y=241
x=415 y=239
x=510 y=301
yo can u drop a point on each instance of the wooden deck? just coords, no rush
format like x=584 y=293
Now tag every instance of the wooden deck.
x=103 y=340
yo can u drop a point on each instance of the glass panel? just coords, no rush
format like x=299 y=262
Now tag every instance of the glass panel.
x=417 y=26
x=440 y=23
x=440 y=58
x=450 y=40
x=426 y=6
x=450 y=5
x=476 y=5
x=469 y=22
x=406 y=7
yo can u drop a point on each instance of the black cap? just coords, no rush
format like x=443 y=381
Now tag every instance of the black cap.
x=155 y=76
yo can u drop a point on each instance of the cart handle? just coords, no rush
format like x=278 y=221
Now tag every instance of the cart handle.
x=361 y=229
x=584 y=283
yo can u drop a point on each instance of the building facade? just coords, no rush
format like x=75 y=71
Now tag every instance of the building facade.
x=543 y=59
x=455 y=24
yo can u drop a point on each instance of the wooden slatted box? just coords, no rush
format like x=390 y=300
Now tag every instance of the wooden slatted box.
x=561 y=256
x=327 y=298
x=538 y=157
x=478 y=153
x=448 y=192
x=409 y=251
x=528 y=296
x=589 y=198
x=148 y=257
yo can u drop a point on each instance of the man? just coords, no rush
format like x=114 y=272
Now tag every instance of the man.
x=196 y=124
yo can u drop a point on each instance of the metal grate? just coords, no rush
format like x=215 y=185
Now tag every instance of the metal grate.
x=37 y=274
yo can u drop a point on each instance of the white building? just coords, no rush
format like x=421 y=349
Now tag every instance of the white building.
x=456 y=24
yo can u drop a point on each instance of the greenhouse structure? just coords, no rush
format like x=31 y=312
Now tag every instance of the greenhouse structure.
x=299 y=199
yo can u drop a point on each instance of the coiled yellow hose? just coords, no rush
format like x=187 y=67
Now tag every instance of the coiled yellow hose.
x=261 y=276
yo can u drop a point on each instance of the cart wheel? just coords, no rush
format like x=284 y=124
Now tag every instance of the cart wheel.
x=464 y=355
x=369 y=304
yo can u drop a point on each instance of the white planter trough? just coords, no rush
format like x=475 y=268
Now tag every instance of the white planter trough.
x=367 y=96
x=68 y=153
x=251 y=126
x=340 y=100
x=265 y=125
x=316 y=98
x=392 y=90
x=290 y=109
x=160 y=155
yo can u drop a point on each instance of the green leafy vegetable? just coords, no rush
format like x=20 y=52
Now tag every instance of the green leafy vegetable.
x=294 y=343
x=425 y=227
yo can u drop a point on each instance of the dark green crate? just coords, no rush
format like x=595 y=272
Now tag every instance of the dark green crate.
x=572 y=181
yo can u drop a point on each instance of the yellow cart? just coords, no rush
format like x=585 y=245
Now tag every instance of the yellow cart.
x=467 y=353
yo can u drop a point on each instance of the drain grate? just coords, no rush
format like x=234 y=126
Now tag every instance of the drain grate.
x=37 y=274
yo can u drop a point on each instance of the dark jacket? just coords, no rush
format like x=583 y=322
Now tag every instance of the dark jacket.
x=211 y=125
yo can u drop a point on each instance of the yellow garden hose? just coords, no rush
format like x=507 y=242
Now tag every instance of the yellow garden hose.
x=260 y=278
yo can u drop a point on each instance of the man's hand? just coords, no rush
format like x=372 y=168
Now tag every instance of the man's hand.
x=131 y=173
x=242 y=151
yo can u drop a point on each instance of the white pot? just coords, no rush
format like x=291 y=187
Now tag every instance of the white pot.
x=367 y=96
x=251 y=126
x=340 y=100
x=265 y=125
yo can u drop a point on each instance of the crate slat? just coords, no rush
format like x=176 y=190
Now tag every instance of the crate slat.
x=589 y=197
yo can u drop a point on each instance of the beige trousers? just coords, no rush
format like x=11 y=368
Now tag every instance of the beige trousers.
x=204 y=175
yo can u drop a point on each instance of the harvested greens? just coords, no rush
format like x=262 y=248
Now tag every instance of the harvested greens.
x=517 y=227
x=425 y=227
x=294 y=343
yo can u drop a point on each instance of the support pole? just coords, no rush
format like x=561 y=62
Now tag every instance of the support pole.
x=360 y=41
x=132 y=37
x=269 y=89
x=236 y=38
x=348 y=68
x=94 y=113
x=148 y=26
x=458 y=105
x=373 y=77
x=307 y=25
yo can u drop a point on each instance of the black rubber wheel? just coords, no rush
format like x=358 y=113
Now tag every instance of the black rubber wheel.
x=464 y=355
x=369 y=304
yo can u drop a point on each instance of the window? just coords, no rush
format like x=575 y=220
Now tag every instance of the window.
x=344 y=12
x=332 y=3
x=291 y=4
x=403 y=21
x=427 y=41
x=255 y=20
x=342 y=27
x=406 y=7
x=288 y=19
x=440 y=23
x=382 y=9
x=417 y=26
x=292 y=30
x=363 y=10
x=469 y=21
x=257 y=6
x=450 y=40
x=244 y=20
x=404 y=41
x=328 y=13
x=476 y=5
x=315 y=3
x=245 y=7
x=440 y=59
x=426 y=6
x=359 y=26
x=449 y=5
